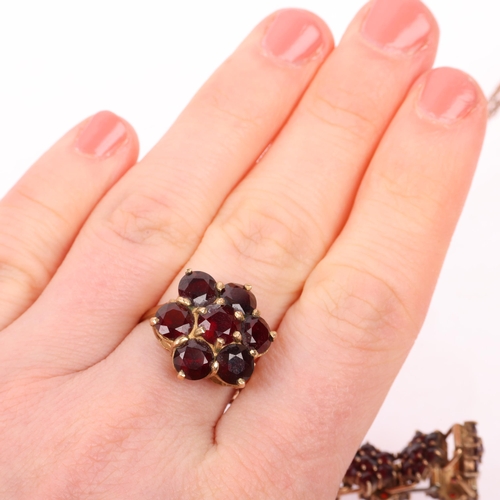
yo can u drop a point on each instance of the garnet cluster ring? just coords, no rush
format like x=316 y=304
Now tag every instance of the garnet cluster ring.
x=213 y=330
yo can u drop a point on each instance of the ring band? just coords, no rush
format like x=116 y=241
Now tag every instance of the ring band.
x=213 y=330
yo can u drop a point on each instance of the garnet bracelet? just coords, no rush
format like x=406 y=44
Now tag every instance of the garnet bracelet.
x=378 y=475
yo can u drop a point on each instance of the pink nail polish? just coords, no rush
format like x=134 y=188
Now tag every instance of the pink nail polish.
x=294 y=36
x=102 y=136
x=398 y=25
x=448 y=95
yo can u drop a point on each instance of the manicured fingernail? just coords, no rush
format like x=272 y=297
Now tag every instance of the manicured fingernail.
x=102 y=136
x=294 y=36
x=448 y=95
x=397 y=25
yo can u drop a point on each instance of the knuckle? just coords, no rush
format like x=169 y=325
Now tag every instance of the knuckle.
x=150 y=220
x=418 y=198
x=29 y=275
x=344 y=114
x=361 y=311
x=234 y=109
x=267 y=235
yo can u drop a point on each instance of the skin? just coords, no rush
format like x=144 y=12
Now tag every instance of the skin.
x=341 y=228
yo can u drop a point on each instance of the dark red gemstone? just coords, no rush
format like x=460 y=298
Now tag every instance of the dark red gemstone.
x=175 y=320
x=433 y=438
x=416 y=452
x=367 y=463
x=219 y=323
x=368 y=477
x=385 y=471
x=240 y=298
x=418 y=438
x=256 y=334
x=385 y=458
x=194 y=358
x=408 y=471
x=199 y=287
x=368 y=449
x=421 y=469
x=235 y=362
x=435 y=456
x=351 y=474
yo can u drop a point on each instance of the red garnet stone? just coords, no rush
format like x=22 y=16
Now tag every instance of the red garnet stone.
x=235 y=362
x=240 y=298
x=194 y=358
x=219 y=323
x=256 y=334
x=174 y=320
x=199 y=287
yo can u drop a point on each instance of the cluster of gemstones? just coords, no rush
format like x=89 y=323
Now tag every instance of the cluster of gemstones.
x=378 y=475
x=424 y=452
x=213 y=329
x=372 y=470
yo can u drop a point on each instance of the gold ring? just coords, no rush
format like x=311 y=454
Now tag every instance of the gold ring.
x=213 y=330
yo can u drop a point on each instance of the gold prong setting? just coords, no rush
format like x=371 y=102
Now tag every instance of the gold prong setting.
x=213 y=330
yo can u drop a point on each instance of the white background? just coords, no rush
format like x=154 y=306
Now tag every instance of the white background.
x=61 y=61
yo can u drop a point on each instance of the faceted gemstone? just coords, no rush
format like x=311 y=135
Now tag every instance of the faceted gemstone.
x=433 y=438
x=366 y=463
x=235 y=362
x=199 y=287
x=385 y=458
x=418 y=438
x=415 y=469
x=385 y=471
x=420 y=469
x=175 y=320
x=368 y=449
x=256 y=334
x=434 y=456
x=240 y=298
x=368 y=477
x=219 y=323
x=416 y=452
x=407 y=470
x=351 y=475
x=194 y=358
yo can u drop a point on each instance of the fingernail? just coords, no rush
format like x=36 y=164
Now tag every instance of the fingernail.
x=102 y=136
x=294 y=36
x=397 y=25
x=448 y=95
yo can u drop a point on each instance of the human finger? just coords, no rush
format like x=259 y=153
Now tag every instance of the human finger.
x=281 y=219
x=346 y=338
x=148 y=226
x=41 y=215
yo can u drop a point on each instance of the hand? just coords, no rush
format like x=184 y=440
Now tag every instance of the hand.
x=341 y=228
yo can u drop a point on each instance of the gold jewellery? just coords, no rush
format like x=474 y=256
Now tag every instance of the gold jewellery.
x=213 y=330
x=378 y=475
